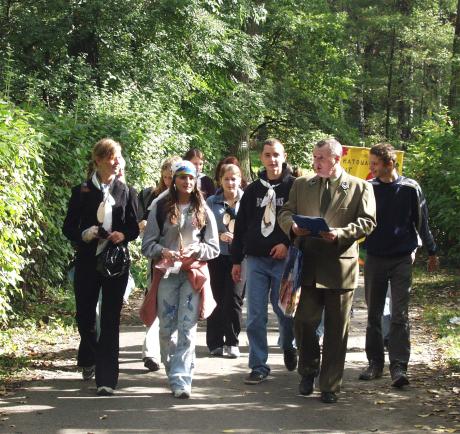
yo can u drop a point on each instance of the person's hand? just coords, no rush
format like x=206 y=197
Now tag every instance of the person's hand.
x=116 y=237
x=433 y=263
x=236 y=273
x=169 y=254
x=299 y=231
x=142 y=225
x=226 y=237
x=89 y=234
x=279 y=251
x=329 y=236
x=190 y=251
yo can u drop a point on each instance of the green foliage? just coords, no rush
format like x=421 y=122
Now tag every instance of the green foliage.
x=163 y=76
x=439 y=296
x=22 y=180
x=434 y=160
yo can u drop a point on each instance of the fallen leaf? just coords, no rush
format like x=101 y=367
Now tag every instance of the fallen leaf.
x=104 y=416
x=425 y=415
x=379 y=402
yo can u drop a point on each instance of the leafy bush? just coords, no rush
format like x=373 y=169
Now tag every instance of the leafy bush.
x=434 y=161
x=22 y=180
x=43 y=154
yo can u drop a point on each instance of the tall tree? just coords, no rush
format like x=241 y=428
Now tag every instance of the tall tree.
x=454 y=94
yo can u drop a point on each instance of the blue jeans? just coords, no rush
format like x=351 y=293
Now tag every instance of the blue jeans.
x=263 y=281
x=178 y=308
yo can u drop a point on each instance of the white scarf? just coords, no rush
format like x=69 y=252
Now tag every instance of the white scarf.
x=198 y=180
x=105 y=207
x=267 y=224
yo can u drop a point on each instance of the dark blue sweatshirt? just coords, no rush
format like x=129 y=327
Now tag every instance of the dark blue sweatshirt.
x=248 y=238
x=402 y=219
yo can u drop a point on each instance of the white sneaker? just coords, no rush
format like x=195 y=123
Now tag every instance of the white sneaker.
x=181 y=394
x=104 y=391
x=233 y=352
x=217 y=352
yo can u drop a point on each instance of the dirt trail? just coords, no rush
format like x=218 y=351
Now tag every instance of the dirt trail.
x=62 y=403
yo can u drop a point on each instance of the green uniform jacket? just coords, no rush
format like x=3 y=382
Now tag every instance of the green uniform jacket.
x=326 y=264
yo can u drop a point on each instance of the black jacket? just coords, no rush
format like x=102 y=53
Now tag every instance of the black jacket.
x=402 y=217
x=81 y=214
x=248 y=238
x=145 y=198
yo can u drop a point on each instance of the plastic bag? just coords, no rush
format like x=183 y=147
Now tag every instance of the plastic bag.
x=289 y=293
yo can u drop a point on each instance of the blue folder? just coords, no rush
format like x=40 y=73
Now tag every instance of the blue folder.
x=314 y=224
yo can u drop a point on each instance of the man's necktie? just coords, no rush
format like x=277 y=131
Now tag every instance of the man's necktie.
x=325 y=198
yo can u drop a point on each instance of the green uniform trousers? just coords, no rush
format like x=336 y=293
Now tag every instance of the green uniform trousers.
x=336 y=304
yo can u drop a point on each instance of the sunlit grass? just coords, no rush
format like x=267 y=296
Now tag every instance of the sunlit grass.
x=439 y=294
x=40 y=326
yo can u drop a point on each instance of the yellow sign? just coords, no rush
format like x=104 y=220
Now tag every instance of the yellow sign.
x=355 y=161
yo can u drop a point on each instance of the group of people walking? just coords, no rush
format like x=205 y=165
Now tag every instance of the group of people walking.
x=209 y=248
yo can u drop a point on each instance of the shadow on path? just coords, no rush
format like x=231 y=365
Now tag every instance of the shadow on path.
x=221 y=402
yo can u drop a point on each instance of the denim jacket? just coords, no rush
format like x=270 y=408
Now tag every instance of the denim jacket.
x=218 y=206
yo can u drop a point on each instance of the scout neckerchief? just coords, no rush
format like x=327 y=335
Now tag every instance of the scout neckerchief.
x=104 y=211
x=269 y=202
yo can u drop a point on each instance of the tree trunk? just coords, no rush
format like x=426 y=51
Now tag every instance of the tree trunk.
x=454 y=102
x=390 y=84
x=241 y=151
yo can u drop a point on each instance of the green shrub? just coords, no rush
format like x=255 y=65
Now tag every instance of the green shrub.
x=434 y=161
x=44 y=153
x=22 y=179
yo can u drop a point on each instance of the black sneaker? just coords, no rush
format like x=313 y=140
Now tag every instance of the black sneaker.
x=290 y=359
x=255 y=377
x=372 y=372
x=399 y=377
x=306 y=385
x=88 y=372
x=104 y=391
x=329 y=397
x=151 y=364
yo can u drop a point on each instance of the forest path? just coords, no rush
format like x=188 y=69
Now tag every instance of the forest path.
x=62 y=403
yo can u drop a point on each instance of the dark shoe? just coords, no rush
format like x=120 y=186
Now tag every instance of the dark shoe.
x=151 y=364
x=255 y=377
x=371 y=372
x=399 y=377
x=181 y=394
x=88 y=372
x=306 y=385
x=290 y=359
x=104 y=391
x=329 y=397
x=217 y=352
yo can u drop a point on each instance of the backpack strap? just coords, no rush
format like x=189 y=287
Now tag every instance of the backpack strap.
x=161 y=213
